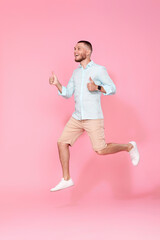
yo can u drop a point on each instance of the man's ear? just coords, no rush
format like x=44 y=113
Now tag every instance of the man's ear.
x=88 y=52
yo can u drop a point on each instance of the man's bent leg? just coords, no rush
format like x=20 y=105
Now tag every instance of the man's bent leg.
x=131 y=147
x=95 y=130
x=64 y=155
x=114 y=148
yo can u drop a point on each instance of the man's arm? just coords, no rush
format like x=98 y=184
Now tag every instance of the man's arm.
x=59 y=86
x=53 y=80
x=107 y=83
x=102 y=89
x=65 y=92
x=93 y=87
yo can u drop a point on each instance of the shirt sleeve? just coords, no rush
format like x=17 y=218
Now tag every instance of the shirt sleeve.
x=67 y=91
x=107 y=83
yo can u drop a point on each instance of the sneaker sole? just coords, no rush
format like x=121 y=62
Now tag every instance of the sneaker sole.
x=135 y=146
x=60 y=188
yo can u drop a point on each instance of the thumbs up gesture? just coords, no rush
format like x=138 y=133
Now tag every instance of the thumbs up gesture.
x=91 y=85
x=53 y=79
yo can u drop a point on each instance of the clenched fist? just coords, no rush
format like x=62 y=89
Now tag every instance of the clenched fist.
x=91 y=86
x=53 y=79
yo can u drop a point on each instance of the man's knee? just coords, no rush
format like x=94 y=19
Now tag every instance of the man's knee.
x=99 y=152
x=62 y=145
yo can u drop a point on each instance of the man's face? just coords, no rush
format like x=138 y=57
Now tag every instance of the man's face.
x=80 y=52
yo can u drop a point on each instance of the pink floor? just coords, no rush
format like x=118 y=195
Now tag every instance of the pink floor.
x=46 y=215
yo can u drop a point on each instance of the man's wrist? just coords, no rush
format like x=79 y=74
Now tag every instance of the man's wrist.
x=98 y=88
x=58 y=85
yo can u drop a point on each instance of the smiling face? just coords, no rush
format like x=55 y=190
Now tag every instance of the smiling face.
x=81 y=52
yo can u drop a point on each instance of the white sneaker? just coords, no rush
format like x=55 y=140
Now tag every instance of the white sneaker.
x=134 y=154
x=62 y=184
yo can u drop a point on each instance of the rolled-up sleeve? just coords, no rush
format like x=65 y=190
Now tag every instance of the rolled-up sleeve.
x=107 y=83
x=68 y=91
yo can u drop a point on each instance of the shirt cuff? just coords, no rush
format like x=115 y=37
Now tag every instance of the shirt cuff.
x=64 y=90
x=109 y=89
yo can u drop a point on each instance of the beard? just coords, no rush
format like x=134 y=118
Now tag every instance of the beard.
x=81 y=58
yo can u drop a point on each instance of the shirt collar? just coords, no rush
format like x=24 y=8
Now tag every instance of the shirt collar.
x=88 y=65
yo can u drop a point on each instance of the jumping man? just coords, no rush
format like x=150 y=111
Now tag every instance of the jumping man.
x=87 y=83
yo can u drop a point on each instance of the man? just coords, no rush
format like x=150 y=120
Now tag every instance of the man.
x=87 y=83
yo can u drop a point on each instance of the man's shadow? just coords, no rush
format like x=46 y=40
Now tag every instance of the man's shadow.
x=114 y=170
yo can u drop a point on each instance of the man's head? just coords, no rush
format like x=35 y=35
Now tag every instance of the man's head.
x=82 y=50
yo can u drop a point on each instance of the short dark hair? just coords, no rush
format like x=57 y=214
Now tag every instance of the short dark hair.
x=87 y=43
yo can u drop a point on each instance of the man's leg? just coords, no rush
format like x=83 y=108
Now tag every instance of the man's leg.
x=64 y=155
x=131 y=147
x=114 y=148
x=71 y=132
x=95 y=130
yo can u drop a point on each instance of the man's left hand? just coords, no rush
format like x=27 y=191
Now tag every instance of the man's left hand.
x=92 y=86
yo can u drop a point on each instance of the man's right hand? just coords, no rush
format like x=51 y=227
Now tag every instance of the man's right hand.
x=53 y=79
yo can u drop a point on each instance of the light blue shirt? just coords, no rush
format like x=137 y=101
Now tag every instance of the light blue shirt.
x=87 y=103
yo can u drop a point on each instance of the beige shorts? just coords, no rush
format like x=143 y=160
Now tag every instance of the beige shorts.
x=94 y=128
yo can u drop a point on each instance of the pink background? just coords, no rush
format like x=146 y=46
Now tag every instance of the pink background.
x=110 y=198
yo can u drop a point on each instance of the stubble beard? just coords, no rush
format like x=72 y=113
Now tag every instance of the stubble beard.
x=80 y=59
